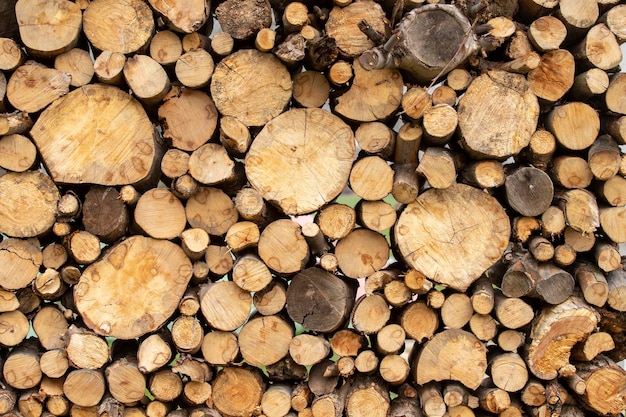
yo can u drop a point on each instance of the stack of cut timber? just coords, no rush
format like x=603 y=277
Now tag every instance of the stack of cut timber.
x=314 y=209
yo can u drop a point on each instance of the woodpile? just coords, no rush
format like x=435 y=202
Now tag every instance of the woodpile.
x=313 y=209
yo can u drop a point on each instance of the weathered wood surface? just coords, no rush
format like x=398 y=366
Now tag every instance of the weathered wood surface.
x=280 y=208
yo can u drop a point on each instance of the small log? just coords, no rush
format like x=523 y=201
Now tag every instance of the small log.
x=415 y=102
x=553 y=222
x=194 y=68
x=104 y=214
x=220 y=347
x=607 y=256
x=515 y=124
x=242 y=19
x=370 y=313
x=366 y=396
x=510 y=340
x=439 y=123
x=484 y=174
x=17 y=327
x=212 y=210
x=11 y=56
x=254 y=345
x=16 y=122
x=371 y=178
x=283 y=248
x=589 y=83
x=153 y=353
x=593 y=284
x=554 y=76
x=612 y=221
x=406 y=183
x=578 y=17
x=613 y=191
x=456 y=311
x=452 y=354
x=512 y=312
x=310 y=88
x=571 y=171
x=552 y=341
x=85 y=349
x=109 y=67
x=437 y=166
x=84 y=387
x=125 y=383
x=581 y=210
x=147 y=79
x=375 y=215
x=50 y=326
x=160 y=214
x=265 y=39
x=547 y=33
x=361 y=253
x=376 y=138
x=23 y=258
x=419 y=321
x=307 y=349
x=617 y=289
x=574 y=117
x=444 y=95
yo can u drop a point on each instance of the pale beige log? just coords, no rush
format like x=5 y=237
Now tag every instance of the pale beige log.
x=218 y=259
x=437 y=166
x=11 y=55
x=366 y=361
x=22 y=259
x=452 y=354
x=599 y=48
x=456 y=311
x=397 y=293
x=406 y=183
x=251 y=273
x=310 y=88
x=604 y=158
x=361 y=253
x=373 y=95
x=370 y=313
x=50 y=326
x=484 y=174
x=125 y=383
x=174 y=163
x=160 y=214
x=279 y=153
x=14 y=327
x=165 y=385
x=490 y=129
x=614 y=20
x=84 y=387
x=194 y=242
x=225 y=305
x=109 y=67
x=21 y=368
x=593 y=82
x=547 y=33
x=510 y=340
x=376 y=138
x=118 y=26
x=552 y=341
x=578 y=16
x=307 y=349
x=188 y=118
x=54 y=363
x=196 y=40
x=220 y=347
x=121 y=151
x=83 y=246
x=493 y=400
x=210 y=164
x=575 y=125
x=613 y=222
x=571 y=171
x=137 y=261
x=265 y=340
x=376 y=215
x=222 y=44
x=371 y=178
x=541 y=248
x=78 y=63
x=48 y=285
x=458 y=200
x=212 y=210
x=165 y=47
x=8 y=301
x=33 y=86
x=607 y=256
x=197 y=393
x=591 y=347
x=183 y=15
x=483 y=326
x=617 y=289
x=147 y=79
x=347 y=342
x=554 y=76
x=508 y=371
x=439 y=123
x=48 y=28
x=581 y=210
x=342 y=25
x=251 y=205
x=415 y=102
x=394 y=369
x=194 y=68
x=458 y=79
x=512 y=312
x=85 y=349
x=315 y=238
x=282 y=247
x=187 y=334
x=17 y=153
x=153 y=353
x=242 y=83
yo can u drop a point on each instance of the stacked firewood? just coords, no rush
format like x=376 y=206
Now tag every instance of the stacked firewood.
x=312 y=208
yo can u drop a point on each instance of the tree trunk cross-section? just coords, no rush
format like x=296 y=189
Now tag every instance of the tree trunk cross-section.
x=453 y=235
x=134 y=288
x=301 y=160
x=96 y=134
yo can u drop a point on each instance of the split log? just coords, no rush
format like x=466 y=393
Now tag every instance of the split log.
x=554 y=333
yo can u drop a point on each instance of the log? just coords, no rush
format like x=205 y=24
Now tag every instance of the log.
x=529 y=191
x=33 y=86
x=452 y=354
x=554 y=332
x=342 y=25
x=236 y=92
x=78 y=64
x=183 y=16
x=124 y=141
x=301 y=151
x=242 y=19
x=602 y=373
x=509 y=131
x=135 y=261
x=436 y=265
x=229 y=386
x=371 y=178
x=123 y=27
x=554 y=76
